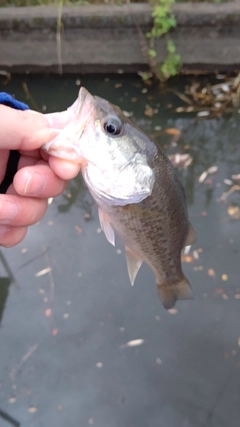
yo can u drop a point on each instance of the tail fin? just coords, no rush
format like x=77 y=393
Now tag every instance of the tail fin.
x=169 y=294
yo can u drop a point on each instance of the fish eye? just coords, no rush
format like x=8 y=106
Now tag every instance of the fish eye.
x=112 y=126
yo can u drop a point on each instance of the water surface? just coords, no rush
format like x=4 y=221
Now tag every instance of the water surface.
x=63 y=359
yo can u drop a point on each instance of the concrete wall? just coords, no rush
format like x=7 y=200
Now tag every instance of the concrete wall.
x=106 y=38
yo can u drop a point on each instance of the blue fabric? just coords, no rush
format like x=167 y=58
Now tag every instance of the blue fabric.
x=9 y=101
x=14 y=156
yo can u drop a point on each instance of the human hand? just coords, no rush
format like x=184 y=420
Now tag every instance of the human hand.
x=38 y=177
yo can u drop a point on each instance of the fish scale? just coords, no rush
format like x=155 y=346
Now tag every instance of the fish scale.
x=154 y=245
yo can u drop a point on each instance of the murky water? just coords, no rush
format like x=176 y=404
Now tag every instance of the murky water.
x=62 y=356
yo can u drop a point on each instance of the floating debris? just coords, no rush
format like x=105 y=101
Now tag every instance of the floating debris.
x=187 y=249
x=211 y=170
x=211 y=272
x=158 y=361
x=148 y=111
x=133 y=343
x=172 y=311
x=228 y=181
x=203 y=113
x=32 y=409
x=234 y=212
x=195 y=254
x=236 y=178
x=225 y=195
x=42 y=272
x=127 y=113
x=48 y=312
x=99 y=365
x=79 y=229
x=224 y=277
x=211 y=100
x=187 y=258
x=173 y=131
x=180 y=160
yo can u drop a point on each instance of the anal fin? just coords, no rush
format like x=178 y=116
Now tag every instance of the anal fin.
x=133 y=265
x=191 y=237
x=106 y=227
x=169 y=294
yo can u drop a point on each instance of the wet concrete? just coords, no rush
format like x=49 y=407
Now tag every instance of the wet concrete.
x=63 y=361
x=100 y=38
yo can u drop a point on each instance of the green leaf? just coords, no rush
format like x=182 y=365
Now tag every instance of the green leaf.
x=152 y=53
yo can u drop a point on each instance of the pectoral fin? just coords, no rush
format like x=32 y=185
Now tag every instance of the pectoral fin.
x=106 y=227
x=133 y=265
x=191 y=237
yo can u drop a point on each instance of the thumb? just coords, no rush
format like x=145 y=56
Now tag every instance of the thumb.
x=29 y=130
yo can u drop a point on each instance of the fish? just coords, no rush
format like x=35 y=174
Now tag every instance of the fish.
x=136 y=188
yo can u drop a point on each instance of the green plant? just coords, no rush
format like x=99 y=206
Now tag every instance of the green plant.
x=163 y=21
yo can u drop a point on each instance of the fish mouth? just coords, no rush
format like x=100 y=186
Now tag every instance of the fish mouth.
x=67 y=144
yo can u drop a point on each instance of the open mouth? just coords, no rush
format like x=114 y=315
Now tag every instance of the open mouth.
x=67 y=144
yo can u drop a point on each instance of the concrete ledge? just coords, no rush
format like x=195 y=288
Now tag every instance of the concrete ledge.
x=105 y=38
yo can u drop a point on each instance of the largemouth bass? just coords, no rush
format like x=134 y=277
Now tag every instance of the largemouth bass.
x=136 y=188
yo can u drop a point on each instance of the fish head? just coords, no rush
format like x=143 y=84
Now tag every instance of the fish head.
x=111 y=150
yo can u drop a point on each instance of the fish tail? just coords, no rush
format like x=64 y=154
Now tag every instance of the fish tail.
x=170 y=293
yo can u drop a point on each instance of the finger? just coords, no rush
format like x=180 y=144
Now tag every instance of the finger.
x=38 y=181
x=18 y=211
x=60 y=170
x=31 y=153
x=64 y=169
x=25 y=161
x=28 y=130
x=59 y=120
x=11 y=236
x=3 y=163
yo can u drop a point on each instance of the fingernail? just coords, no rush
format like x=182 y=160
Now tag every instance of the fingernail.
x=35 y=184
x=4 y=229
x=9 y=210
